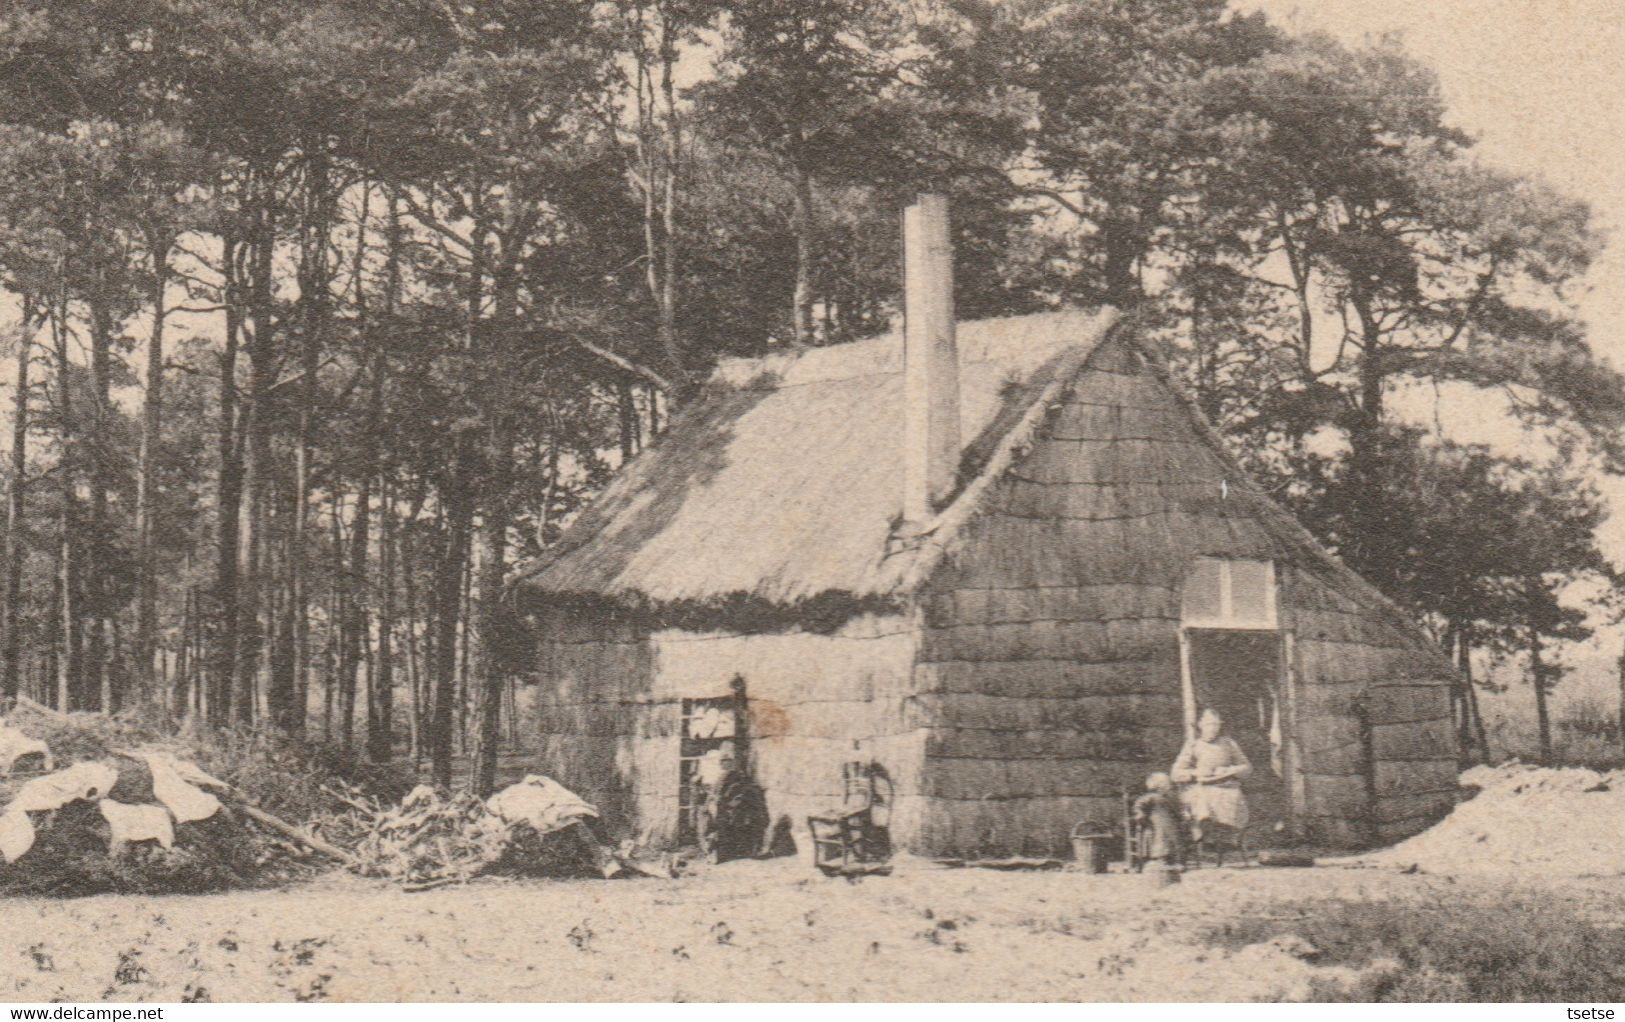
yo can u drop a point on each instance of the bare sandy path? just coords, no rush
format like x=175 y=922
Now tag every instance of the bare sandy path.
x=744 y=931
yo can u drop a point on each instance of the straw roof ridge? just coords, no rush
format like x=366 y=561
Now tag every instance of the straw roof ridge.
x=736 y=613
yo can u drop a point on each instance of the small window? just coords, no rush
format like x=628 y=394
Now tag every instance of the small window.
x=1224 y=593
x=1204 y=590
x=1252 y=591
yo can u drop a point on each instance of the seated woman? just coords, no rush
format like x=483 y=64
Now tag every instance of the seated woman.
x=1213 y=765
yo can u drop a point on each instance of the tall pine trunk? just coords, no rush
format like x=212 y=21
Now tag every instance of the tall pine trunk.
x=253 y=575
x=381 y=736
x=257 y=467
x=627 y=412
x=71 y=687
x=146 y=487
x=801 y=224
x=70 y=676
x=491 y=679
x=315 y=311
x=416 y=669
x=228 y=500
x=465 y=639
x=1543 y=721
x=448 y=591
x=287 y=692
x=100 y=692
x=1456 y=649
x=1371 y=547
x=1473 y=719
x=669 y=341
x=180 y=685
x=50 y=687
x=353 y=605
x=492 y=674
x=16 y=497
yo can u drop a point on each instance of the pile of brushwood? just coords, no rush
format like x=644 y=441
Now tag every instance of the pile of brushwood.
x=91 y=803
x=429 y=838
x=536 y=827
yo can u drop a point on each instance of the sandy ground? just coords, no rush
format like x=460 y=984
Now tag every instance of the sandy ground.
x=743 y=931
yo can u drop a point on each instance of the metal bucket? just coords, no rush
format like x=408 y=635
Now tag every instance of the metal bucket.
x=1091 y=849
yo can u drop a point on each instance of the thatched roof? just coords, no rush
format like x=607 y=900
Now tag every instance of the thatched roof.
x=783 y=482
x=781 y=486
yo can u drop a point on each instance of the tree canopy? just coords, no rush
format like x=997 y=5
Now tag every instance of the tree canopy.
x=330 y=313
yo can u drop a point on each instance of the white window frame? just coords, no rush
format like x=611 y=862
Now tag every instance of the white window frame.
x=1227 y=618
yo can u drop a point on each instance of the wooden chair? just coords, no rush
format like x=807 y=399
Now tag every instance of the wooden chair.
x=853 y=839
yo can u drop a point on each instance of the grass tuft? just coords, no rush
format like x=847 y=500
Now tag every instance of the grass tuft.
x=1464 y=948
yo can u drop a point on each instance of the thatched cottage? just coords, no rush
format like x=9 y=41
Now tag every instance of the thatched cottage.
x=1004 y=560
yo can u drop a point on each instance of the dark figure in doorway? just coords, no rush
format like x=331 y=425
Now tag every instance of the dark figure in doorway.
x=733 y=820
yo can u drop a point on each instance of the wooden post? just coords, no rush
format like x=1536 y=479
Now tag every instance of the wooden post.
x=1296 y=785
x=1292 y=765
x=1187 y=684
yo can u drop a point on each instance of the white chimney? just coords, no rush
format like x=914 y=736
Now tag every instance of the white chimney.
x=930 y=360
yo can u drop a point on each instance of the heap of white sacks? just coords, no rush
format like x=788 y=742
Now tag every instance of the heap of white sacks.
x=178 y=789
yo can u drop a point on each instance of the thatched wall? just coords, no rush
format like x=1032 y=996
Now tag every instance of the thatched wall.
x=611 y=700
x=1049 y=668
x=1373 y=720
x=815 y=701
x=592 y=706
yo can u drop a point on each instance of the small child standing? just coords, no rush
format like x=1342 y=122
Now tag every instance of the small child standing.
x=1157 y=811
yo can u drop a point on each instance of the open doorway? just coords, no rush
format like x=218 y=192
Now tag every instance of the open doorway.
x=1233 y=664
x=710 y=744
x=1237 y=674
x=721 y=807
